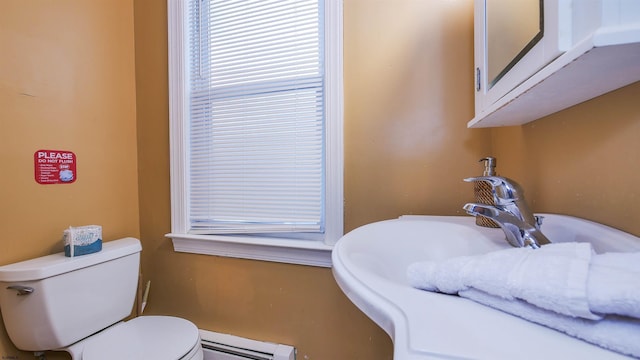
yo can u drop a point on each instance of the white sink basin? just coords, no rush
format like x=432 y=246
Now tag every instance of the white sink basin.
x=370 y=264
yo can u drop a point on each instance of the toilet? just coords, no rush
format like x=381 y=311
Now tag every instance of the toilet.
x=78 y=304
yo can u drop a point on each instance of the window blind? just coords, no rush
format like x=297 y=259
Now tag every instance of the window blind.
x=256 y=158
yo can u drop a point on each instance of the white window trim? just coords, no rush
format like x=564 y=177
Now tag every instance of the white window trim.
x=304 y=252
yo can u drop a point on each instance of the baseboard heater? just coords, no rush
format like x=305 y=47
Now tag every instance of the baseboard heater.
x=219 y=346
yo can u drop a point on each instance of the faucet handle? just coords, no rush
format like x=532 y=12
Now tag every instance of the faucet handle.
x=505 y=191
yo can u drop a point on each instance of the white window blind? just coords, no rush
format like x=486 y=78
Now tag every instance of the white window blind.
x=256 y=109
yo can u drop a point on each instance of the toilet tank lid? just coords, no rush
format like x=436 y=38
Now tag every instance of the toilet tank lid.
x=56 y=264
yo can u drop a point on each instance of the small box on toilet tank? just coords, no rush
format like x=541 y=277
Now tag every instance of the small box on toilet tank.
x=82 y=240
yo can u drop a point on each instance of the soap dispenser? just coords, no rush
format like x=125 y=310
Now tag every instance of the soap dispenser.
x=484 y=192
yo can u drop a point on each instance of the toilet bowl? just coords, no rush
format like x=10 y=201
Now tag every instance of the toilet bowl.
x=77 y=305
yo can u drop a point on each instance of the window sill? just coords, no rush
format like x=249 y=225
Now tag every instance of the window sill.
x=300 y=252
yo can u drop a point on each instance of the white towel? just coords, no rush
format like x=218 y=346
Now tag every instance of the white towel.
x=553 y=277
x=613 y=286
x=585 y=292
x=613 y=332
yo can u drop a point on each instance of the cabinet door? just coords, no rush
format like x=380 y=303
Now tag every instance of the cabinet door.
x=513 y=40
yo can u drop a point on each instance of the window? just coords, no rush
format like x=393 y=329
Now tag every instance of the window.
x=256 y=128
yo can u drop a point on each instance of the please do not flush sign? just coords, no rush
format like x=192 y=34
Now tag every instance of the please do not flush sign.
x=54 y=167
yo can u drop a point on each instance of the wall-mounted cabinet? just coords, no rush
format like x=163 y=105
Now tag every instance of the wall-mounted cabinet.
x=538 y=57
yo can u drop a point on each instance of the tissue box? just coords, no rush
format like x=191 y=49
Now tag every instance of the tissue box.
x=82 y=240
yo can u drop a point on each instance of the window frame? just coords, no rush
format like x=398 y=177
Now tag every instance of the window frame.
x=285 y=250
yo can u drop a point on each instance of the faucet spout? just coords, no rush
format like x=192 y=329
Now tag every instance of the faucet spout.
x=518 y=233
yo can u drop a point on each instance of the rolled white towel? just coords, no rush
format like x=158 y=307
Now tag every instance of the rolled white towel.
x=440 y=277
x=489 y=272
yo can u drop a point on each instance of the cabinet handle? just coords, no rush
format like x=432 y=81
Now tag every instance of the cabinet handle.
x=478 y=87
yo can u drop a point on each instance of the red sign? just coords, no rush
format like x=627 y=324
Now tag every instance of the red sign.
x=54 y=166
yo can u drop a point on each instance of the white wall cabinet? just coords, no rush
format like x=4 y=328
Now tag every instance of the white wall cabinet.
x=587 y=48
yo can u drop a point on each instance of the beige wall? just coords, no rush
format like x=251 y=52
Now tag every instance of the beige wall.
x=66 y=83
x=69 y=84
x=408 y=96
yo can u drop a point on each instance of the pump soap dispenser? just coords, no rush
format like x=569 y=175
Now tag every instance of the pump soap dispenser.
x=484 y=192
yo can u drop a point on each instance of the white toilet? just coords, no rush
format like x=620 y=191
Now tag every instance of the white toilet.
x=78 y=304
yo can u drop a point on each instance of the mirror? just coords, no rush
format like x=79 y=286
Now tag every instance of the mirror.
x=513 y=27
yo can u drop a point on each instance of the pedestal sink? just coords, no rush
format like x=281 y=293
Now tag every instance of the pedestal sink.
x=370 y=263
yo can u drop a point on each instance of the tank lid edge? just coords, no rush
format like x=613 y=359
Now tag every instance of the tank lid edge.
x=56 y=264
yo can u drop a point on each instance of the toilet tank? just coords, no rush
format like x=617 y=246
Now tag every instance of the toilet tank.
x=72 y=298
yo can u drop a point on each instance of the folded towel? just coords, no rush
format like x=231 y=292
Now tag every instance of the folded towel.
x=553 y=277
x=613 y=332
x=613 y=286
x=588 y=293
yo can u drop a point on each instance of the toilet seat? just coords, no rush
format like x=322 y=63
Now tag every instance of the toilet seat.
x=146 y=337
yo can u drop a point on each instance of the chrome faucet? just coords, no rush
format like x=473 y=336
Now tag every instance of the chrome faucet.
x=510 y=211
